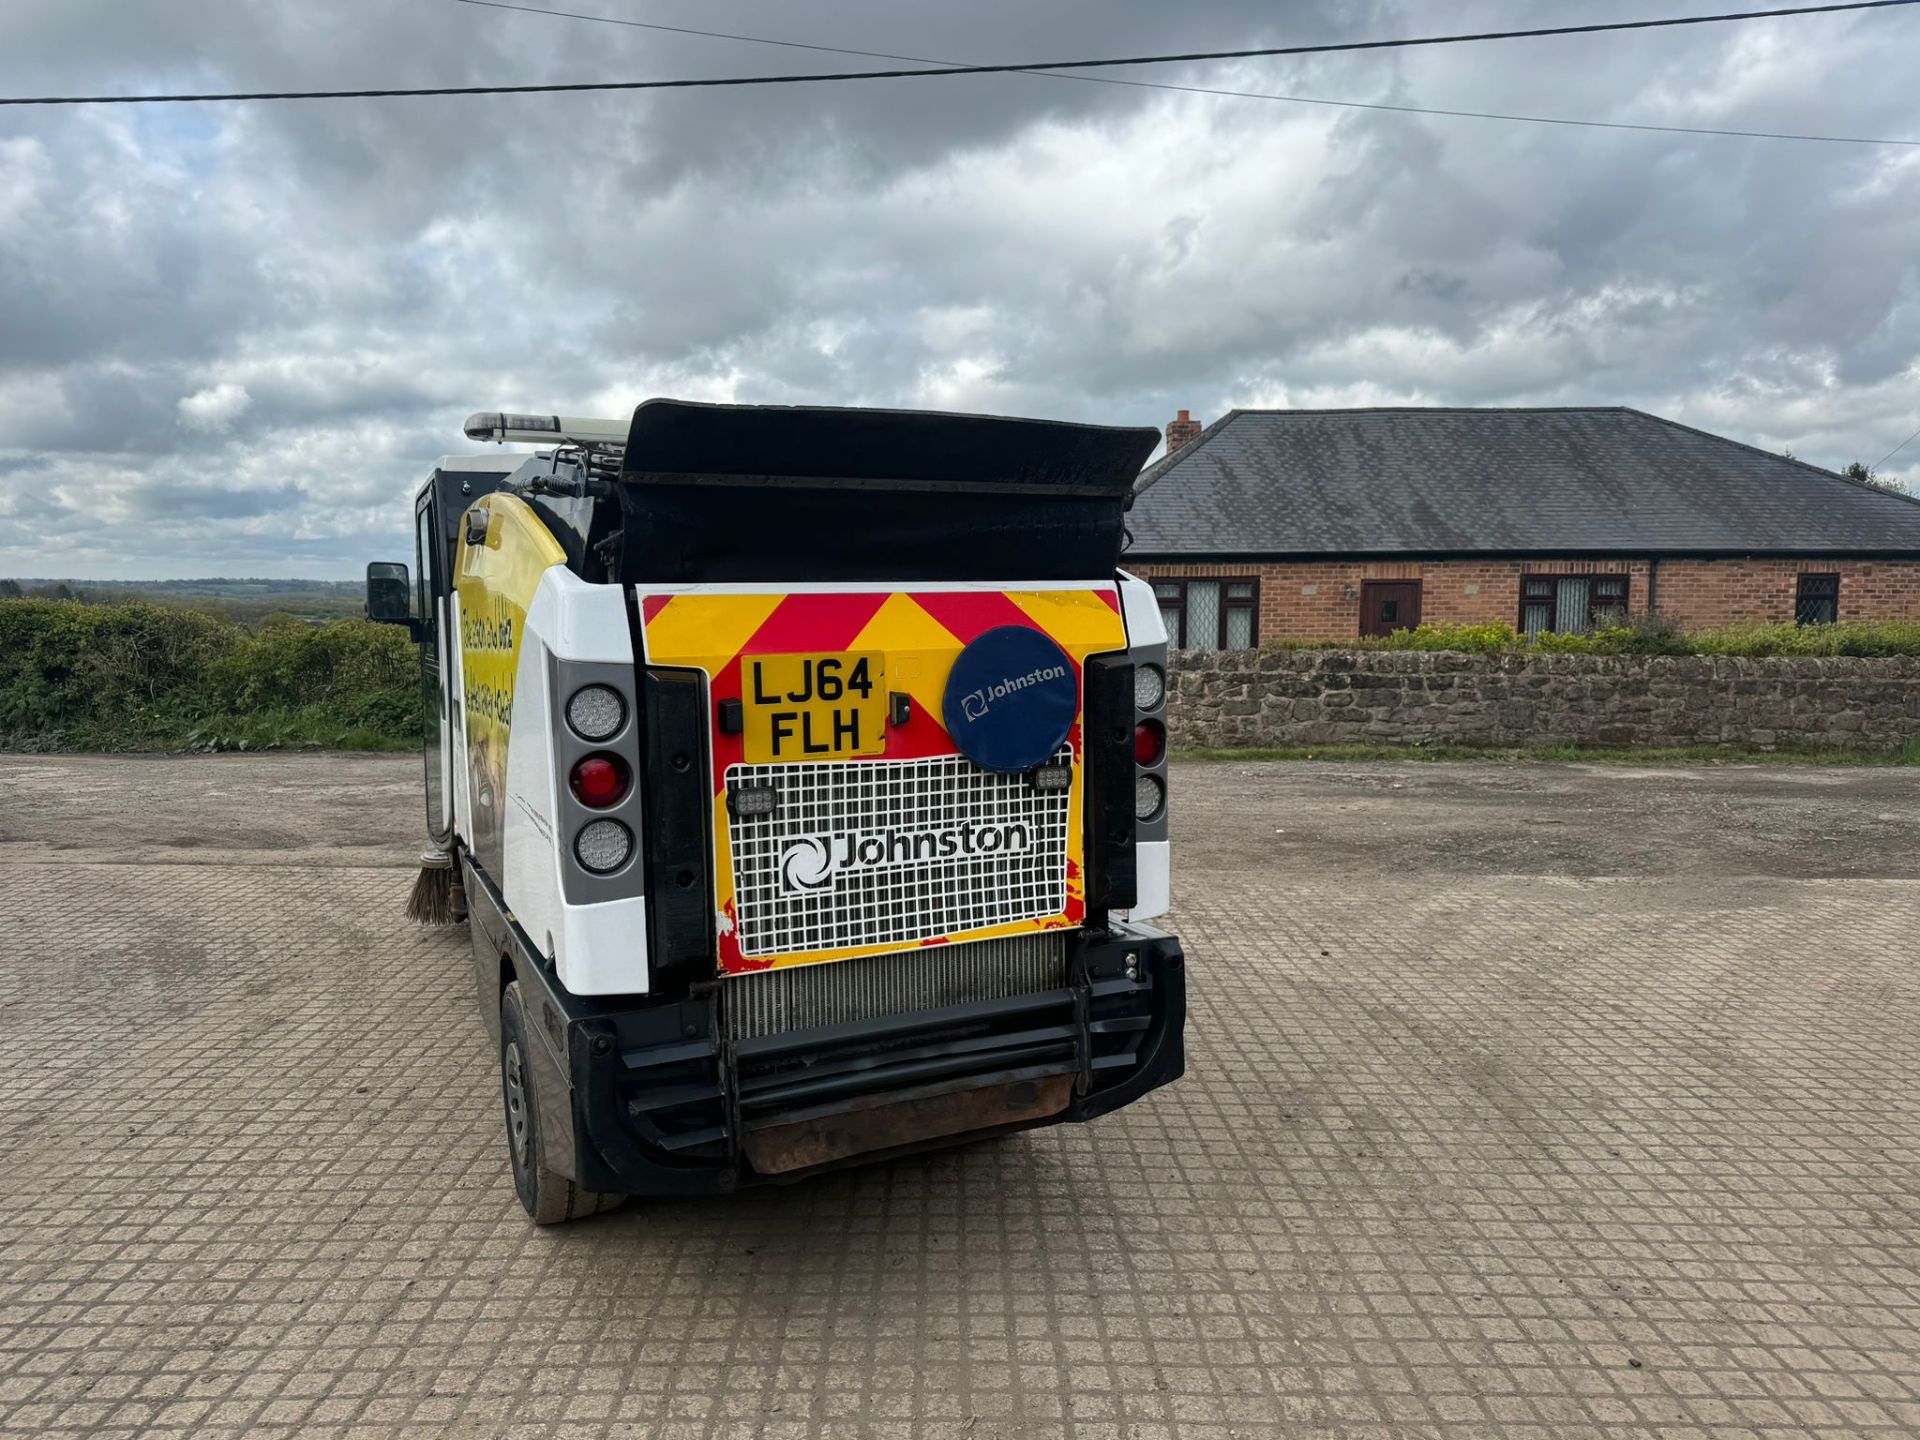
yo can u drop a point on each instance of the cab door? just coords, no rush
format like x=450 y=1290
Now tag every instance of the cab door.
x=430 y=610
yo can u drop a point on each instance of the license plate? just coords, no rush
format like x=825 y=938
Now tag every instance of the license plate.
x=814 y=707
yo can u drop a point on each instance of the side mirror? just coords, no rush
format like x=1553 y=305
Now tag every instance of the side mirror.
x=389 y=596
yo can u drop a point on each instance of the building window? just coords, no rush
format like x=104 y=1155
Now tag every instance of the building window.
x=1210 y=614
x=1571 y=604
x=1817 y=600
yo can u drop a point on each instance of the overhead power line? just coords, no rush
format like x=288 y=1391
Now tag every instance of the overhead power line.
x=1643 y=127
x=703 y=34
x=1898 y=448
x=730 y=81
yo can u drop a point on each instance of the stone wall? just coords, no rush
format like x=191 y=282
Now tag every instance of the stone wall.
x=1322 y=697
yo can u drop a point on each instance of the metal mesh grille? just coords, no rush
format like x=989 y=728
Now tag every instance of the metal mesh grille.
x=801 y=997
x=892 y=851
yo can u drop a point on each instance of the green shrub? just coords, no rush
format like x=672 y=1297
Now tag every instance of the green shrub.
x=1649 y=635
x=298 y=664
x=1477 y=639
x=141 y=676
x=1859 y=637
x=68 y=666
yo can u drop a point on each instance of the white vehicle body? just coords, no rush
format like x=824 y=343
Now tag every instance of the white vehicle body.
x=717 y=816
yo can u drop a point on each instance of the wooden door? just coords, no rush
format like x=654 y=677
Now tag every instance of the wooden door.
x=1389 y=605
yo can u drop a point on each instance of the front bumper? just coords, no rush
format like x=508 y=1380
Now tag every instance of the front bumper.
x=663 y=1103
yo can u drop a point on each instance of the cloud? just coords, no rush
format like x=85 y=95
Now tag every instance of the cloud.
x=235 y=338
x=215 y=408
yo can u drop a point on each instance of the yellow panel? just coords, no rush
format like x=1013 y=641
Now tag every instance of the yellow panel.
x=1080 y=621
x=496 y=581
x=707 y=630
x=920 y=650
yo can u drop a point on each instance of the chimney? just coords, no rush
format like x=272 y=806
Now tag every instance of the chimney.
x=1183 y=431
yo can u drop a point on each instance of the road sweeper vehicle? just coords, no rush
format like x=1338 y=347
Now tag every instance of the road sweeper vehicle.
x=802 y=774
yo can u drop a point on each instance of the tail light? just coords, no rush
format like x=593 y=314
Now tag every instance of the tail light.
x=603 y=846
x=1149 y=742
x=596 y=712
x=1149 y=687
x=596 y=771
x=600 y=780
x=1108 y=730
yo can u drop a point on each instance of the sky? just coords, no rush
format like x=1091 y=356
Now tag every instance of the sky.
x=234 y=338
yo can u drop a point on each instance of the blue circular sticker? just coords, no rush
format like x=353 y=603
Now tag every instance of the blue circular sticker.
x=1011 y=699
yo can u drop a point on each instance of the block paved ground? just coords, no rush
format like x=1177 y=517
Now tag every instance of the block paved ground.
x=1523 y=1101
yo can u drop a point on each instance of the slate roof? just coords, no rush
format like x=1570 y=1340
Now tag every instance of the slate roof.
x=1450 y=482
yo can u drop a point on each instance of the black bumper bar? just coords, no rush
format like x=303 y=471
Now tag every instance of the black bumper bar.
x=664 y=1104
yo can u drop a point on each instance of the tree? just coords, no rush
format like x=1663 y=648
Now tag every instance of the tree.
x=10 y=590
x=1864 y=474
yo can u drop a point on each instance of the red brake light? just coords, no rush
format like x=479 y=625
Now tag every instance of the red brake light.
x=1149 y=742
x=600 y=780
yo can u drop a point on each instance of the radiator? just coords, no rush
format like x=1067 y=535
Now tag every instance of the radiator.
x=804 y=997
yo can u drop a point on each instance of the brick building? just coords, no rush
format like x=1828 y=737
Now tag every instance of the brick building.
x=1322 y=524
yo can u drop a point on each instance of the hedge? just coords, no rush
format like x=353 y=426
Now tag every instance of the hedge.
x=139 y=676
x=1644 y=636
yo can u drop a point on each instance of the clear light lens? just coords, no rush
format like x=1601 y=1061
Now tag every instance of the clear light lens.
x=755 y=800
x=1053 y=777
x=595 y=712
x=1149 y=687
x=604 y=846
x=1148 y=796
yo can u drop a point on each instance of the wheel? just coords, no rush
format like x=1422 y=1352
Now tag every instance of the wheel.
x=547 y=1196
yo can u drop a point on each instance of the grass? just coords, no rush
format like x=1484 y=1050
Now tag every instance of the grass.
x=1909 y=754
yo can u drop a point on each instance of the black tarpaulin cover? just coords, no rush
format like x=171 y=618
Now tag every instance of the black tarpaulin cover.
x=778 y=493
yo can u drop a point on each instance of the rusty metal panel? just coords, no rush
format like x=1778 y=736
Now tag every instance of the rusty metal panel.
x=803 y=1144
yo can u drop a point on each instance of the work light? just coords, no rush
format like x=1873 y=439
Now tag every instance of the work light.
x=1051 y=778
x=753 y=801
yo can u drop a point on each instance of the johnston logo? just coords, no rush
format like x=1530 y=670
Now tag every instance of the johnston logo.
x=813 y=861
x=977 y=703
x=1011 y=699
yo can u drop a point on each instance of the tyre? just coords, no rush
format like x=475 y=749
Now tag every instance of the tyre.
x=547 y=1196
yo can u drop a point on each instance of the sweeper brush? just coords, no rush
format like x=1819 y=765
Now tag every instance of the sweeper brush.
x=438 y=898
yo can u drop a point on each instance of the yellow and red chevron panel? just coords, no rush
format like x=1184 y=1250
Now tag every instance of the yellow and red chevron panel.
x=921 y=632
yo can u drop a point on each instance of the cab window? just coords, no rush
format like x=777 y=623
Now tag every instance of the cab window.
x=425 y=568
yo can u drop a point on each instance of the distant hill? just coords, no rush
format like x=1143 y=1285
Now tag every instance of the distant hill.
x=243 y=599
